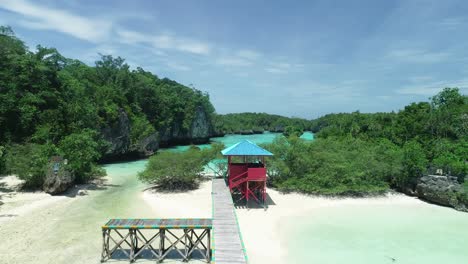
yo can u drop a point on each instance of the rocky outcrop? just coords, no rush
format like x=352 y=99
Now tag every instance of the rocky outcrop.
x=118 y=142
x=57 y=179
x=200 y=131
x=120 y=147
x=443 y=190
x=148 y=145
x=117 y=137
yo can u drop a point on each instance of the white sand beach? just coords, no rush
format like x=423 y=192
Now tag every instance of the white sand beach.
x=66 y=229
x=190 y=204
x=262 y=229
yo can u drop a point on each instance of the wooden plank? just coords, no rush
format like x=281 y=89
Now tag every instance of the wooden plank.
x=180 y=223
x=228 y=246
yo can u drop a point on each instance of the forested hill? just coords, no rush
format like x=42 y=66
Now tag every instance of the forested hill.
x=249 y=123
x=421 y=150
x=51 y=105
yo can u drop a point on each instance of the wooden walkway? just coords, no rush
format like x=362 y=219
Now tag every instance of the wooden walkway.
x=226 y=244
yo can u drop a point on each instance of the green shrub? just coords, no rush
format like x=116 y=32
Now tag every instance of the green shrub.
x=176 y=170
x=29 y=162
x=332 y=166
x=82 y=151
x=414 y=164
x=2 y=159
x=141 y=128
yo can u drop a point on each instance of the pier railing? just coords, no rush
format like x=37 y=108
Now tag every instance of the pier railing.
x=156 y=238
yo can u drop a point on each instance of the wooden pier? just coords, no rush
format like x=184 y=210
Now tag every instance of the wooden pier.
x=131 y=238
x=227 y=245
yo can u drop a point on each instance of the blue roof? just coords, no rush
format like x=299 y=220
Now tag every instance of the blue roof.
x=245 y=148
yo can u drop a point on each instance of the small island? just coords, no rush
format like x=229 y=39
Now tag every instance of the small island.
x=110 y=161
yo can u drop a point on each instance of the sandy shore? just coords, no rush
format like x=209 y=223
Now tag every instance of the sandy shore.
x=191 y=204
x=261 y=229
x=16 y=203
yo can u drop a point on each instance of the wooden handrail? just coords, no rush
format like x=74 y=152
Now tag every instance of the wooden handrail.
x=237 y=176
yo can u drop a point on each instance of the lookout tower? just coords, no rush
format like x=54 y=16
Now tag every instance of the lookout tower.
x=247 y=170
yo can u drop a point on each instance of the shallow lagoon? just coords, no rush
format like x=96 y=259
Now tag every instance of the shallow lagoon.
x=390 y=233
x=379 y=233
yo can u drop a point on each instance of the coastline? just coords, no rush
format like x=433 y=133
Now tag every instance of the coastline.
x=188 y=204
x=265 y=232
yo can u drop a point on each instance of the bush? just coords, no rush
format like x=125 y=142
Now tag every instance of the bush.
x=176 y=170
x=81 y=151
x=292 y=131
x=2 y=159
x=414 y=164
x=331 y=166
x=29 y=162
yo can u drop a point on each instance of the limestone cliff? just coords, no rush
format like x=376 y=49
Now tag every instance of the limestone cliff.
x=117 y=137
x=120 y=147
x=200 y=131
x=443 y=190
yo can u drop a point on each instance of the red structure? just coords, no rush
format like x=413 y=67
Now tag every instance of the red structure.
x=247 y=171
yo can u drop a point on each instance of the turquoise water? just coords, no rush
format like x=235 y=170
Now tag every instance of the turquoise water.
x=390 y=233
x=229 y=140
x=307 y=135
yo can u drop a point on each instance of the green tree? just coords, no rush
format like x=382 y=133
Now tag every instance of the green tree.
x=82 y=151
x=175 y=170
x=414 y=164
x=29 y=162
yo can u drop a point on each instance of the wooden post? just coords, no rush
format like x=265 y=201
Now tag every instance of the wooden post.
x=247 y=195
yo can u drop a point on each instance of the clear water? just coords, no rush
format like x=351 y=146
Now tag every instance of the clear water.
x=229 y=140
x=307 y=135
x=69 y=231
x=391 y=233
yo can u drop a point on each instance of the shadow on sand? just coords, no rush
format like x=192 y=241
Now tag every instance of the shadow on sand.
x=147 y=256
x=81 y=189
x=253 y=204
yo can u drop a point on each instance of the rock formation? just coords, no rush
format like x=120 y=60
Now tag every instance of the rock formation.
x=57 y=179
x=443 y=190
x=200 y=131
x=119 y=145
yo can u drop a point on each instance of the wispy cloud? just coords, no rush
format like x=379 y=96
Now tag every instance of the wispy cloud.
x=452 y=22
x=164 y=41
x=40 y=17
x=420 y=78
x=178 y=67
x=417 y=56
x=249 y=54
x=282 y=67
x=233 y=61
x=241 y=58
x=432 y=88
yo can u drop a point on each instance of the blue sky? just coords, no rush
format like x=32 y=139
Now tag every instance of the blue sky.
x=295 y=58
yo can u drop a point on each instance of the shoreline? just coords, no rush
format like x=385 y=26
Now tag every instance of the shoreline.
x=260 y=228
x=263 y=231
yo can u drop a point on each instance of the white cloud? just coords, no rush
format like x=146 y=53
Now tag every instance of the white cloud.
x=39 y=17
x=165 y=41
x=193 y=46
x=452 y=22
x=233 y=61
x=432 y=88
x=420 y=79
x=178 y=67
x=240 y=58
x=283 y=67
x=248 y=54
x=417 y=56
x=275 y=70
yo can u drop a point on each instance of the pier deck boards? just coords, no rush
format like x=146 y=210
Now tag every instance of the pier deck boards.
x=227 y=244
